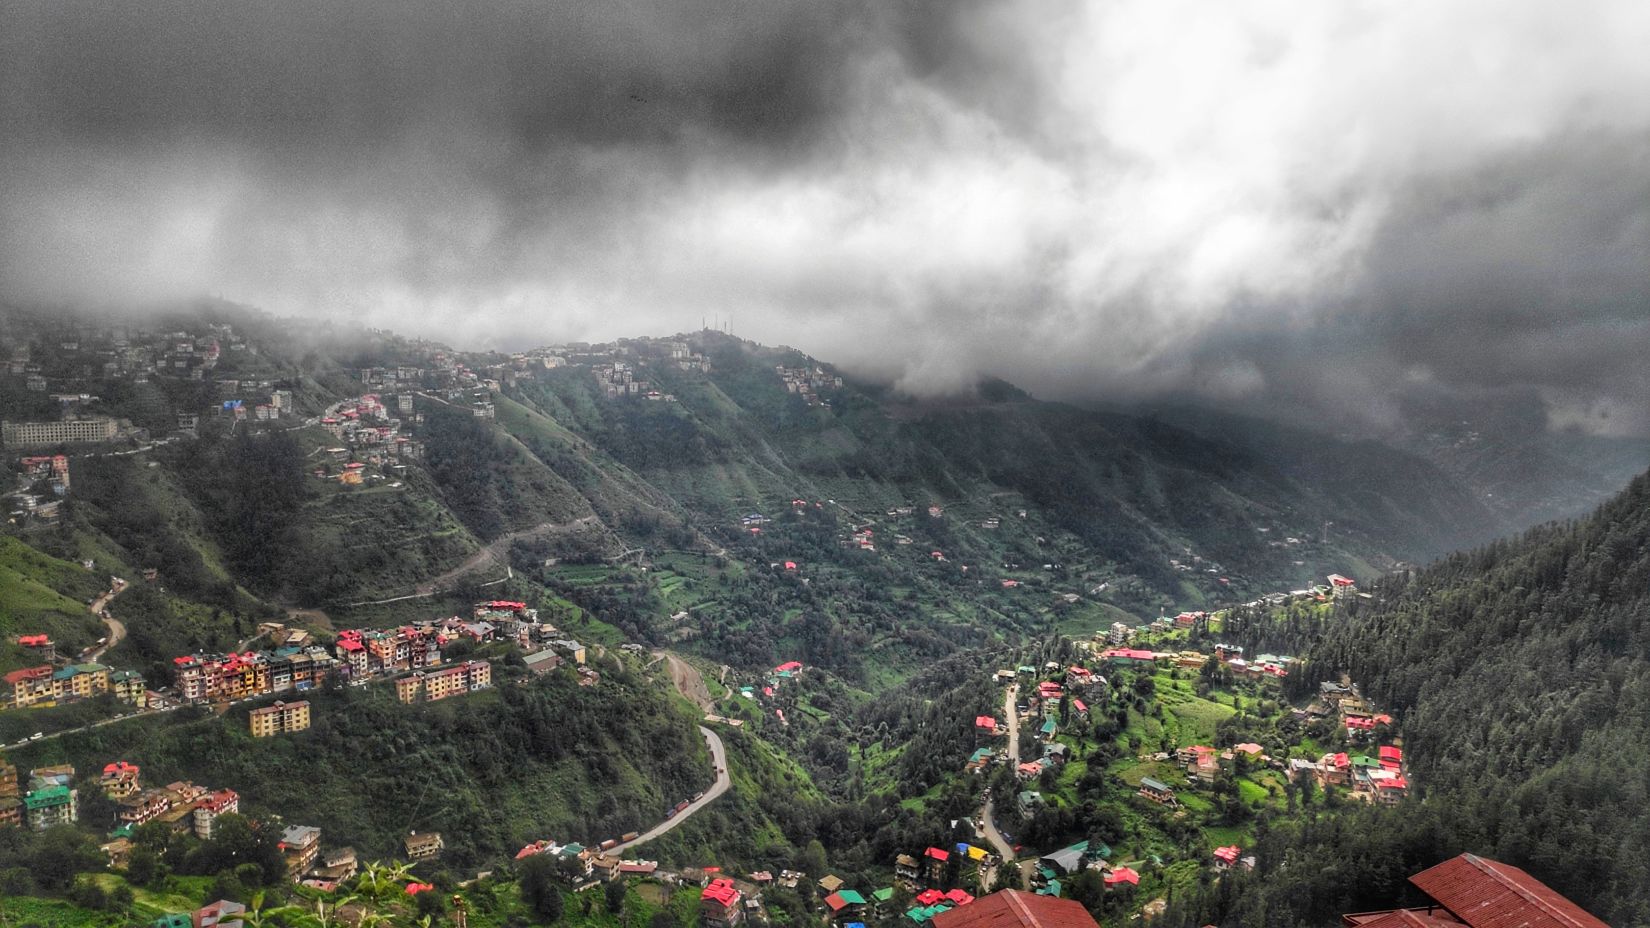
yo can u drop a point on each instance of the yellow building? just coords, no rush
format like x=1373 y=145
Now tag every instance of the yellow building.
x=80 y=681
x=31 y=687
x=444 y=683
x=281 y=717
x=129 y=688
x=449 y=681
x=407 y=687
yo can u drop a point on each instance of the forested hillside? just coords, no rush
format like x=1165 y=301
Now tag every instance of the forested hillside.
x=1521 y=674
x=491 y=772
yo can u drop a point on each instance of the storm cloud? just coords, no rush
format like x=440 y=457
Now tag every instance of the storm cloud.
x=1280 y=206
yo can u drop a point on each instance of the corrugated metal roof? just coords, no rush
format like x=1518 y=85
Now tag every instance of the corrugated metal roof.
x=1012 y=908
x=1488 y=894
x=1400 y=918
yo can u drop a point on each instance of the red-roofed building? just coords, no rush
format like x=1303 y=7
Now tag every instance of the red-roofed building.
x=1391 y=789
x=1392 y=758
x=29 y=687
x=985 y=725
x=929 y=897
x=1341 y=586
x=959 y=896
x=934 y=860
x=788 y=666
x=1122 y=875
x=719 y=904
x=120 y=779
x=1227 y=856
x=1012 y=908
x=1481 y=893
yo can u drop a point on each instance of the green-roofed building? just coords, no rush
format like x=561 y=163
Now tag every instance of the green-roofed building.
x=1051 y=888
x=174 y=920
x=851 y=896
x=882 y=895
x=1048 y=729
x=50 y=806
x=923 y=914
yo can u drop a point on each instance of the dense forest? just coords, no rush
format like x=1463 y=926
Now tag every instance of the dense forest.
x=1520 y=673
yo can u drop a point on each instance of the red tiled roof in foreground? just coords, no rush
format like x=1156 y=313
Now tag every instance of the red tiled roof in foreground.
x=1488 y=894
x=1012 y=908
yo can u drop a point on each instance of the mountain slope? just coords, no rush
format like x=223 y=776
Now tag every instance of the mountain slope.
x=1520 y=675
x=1140 y=493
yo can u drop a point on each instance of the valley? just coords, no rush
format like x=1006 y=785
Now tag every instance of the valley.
x=669 y=608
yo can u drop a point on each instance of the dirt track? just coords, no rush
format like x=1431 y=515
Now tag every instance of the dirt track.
x=689 y=682
x=495 y=551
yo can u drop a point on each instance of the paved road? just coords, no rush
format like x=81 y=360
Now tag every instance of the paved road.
x=1005 y=851
x=1009 y=696
x=69 y=731
x=117 y=628
x=719 y=756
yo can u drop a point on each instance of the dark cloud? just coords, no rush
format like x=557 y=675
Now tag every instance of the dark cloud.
x=1326 y=209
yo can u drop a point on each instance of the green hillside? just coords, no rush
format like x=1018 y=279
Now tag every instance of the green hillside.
x=491 y=771
x=1521 y=675
x=42 y=594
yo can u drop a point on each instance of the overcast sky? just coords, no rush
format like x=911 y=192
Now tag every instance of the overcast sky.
x=1297 y=207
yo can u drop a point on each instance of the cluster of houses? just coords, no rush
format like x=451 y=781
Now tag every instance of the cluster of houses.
x=43 y=481
x=1054 y=868
x=182 y=807
x=373 y=436
x=672 y=351
x=620 y=378
x=807 y=382
x=279 y=402
x=411 y=653
x=86 y=352
x=1378 y=779
x=775 y=679
x=56 y=684
x=47 y=800
x=1229 y=656
x=75 y=358
x=236 y=676
x=1204 y=763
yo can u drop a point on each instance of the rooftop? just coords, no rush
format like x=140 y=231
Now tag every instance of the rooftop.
x=1015 y=909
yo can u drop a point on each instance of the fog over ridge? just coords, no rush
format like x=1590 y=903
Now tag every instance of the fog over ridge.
x=1308 y=210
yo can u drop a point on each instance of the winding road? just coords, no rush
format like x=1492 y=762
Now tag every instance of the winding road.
x=719 y=756
x=117 y=628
